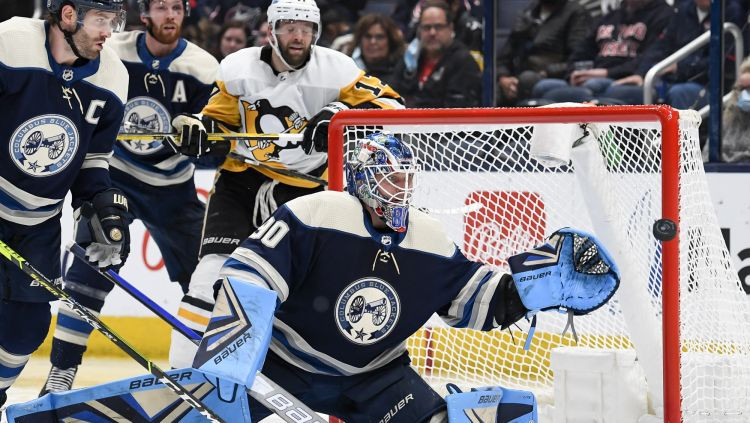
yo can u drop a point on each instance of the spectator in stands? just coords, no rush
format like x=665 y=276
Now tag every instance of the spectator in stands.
x=736 y=120
x=541 y=39
x=466 y=24
x=613 y=50
x=335 y=22
x=234 y=35
x=261 y=32
x=440 y=72
x=685 y=82
x=378 y=46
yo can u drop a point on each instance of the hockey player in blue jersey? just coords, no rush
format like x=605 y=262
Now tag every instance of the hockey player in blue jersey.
x=356 y=274
x=62 y=92
x=168 y=76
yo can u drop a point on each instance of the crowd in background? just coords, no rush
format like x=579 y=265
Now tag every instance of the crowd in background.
x=596 y=51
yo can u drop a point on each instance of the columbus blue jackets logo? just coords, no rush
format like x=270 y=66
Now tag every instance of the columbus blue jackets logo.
x=44 y=145
x=367 y=310
x=144 y=115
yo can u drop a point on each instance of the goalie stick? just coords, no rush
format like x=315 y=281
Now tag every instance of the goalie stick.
x=265 y=391
x=14 y=258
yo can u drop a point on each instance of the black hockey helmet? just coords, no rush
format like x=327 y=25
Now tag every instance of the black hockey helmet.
x=82 y=6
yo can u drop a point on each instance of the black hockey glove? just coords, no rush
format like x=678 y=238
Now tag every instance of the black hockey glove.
x=193 y=139
x=102 y=228
x=316 y=131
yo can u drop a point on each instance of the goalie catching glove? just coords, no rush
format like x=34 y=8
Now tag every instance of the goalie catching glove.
x=102 y=228
x=571 y=273
x=315 y=136
x=193 y=139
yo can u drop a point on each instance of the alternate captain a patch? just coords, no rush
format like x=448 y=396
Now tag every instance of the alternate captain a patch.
x=44 y=145
x=367 y=310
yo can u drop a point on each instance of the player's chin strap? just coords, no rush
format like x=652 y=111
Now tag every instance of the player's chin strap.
x=69 y=38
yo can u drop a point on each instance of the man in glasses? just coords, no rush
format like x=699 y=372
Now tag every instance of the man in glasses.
x=440 y=72
x=168 y=76
x=62 y=93
x=289 y=86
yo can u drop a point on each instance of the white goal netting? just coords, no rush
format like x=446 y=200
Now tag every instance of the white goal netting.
x=495 y=200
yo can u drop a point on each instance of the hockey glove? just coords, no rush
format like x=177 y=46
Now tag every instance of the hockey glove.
x=102 y=228
x=193 y=139
x=315 y=136
x=571 y=272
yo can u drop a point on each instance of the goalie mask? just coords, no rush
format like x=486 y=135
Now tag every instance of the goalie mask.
x=381 y=173
x=281 y=11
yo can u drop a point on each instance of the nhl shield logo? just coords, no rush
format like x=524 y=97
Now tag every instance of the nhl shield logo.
x=44 y=145
x=367 y=311
x=144 y=115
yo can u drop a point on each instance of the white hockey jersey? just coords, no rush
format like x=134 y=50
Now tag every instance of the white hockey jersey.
x=255 y=98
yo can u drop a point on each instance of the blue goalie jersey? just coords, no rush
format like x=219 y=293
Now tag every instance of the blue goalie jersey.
x=58 y=123
x=349 y=295
x=160 y=88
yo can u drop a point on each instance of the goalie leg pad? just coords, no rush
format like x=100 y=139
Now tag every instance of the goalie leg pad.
x=493 y=404
x=572 y=271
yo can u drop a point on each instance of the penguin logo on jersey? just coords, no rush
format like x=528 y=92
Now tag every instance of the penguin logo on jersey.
x=367 y=310
x=144 y=115
x=271 y=120
x=44 y=145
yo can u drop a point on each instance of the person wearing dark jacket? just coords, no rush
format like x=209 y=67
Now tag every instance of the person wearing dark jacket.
x=541 y=39
x=378 y=46
x=683 y=85
x=612 y=51
x=443 y=73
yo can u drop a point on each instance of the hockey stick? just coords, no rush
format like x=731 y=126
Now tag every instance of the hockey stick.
x=94 y=321
x=212 y=136
x=264 y=390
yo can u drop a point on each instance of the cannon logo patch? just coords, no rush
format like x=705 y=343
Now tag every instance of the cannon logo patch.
x=44 y=145
x=367 y=310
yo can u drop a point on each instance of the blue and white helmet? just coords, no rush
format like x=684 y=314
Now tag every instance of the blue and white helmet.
x=83 y=6
x=382 y=172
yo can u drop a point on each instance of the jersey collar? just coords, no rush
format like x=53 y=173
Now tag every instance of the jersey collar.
x=388 y=238
x=157 y=64
x=69 y=74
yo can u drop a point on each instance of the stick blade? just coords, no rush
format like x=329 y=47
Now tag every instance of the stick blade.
x=236 y=340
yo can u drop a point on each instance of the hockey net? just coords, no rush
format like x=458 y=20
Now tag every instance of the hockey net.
x=680 y=306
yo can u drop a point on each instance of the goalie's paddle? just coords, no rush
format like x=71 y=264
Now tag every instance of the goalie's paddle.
x=94 y=321
x=264 y=390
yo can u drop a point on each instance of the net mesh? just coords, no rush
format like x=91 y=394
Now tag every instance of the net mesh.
x=496 y=200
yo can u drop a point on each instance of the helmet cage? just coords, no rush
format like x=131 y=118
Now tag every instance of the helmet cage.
x=383 y=175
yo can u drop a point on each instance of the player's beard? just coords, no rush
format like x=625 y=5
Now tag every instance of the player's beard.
x=294 y=61
x=161 y=35
x=86 y=45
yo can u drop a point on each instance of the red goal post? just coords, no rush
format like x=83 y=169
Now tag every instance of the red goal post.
x=644 y=160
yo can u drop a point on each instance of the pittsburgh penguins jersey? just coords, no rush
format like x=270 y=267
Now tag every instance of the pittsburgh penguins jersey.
x=257 y=99
x=160 y=88
x=350 y=295
x=58 y=123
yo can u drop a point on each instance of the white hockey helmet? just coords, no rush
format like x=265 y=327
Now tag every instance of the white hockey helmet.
x=293 y=10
